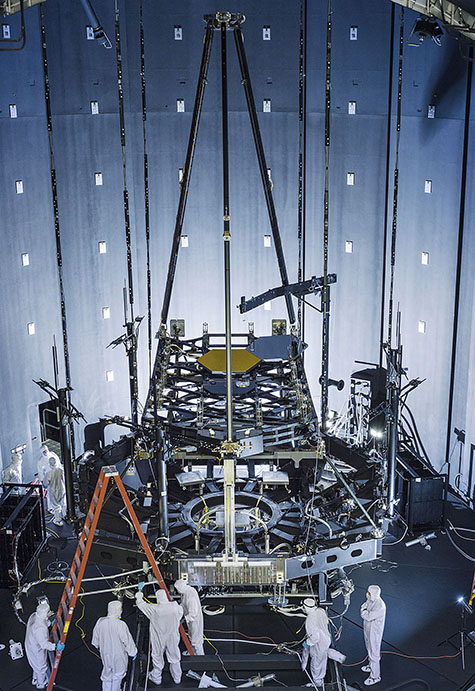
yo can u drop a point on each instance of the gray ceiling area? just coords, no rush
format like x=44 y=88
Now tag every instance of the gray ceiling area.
x=59 y=113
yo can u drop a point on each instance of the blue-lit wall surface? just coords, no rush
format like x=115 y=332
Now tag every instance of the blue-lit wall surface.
x=81 y=71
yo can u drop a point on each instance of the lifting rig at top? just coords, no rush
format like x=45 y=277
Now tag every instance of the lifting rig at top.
x=238 y=491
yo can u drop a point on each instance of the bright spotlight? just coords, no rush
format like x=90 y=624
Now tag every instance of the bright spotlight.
x=376 y=433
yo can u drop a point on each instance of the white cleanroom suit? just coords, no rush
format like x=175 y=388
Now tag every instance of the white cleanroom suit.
x=43 y=463
x=318 y=640
x=12 y=473
x=165 y=618
x=373 y=613
x=111 y=636
x=54 y=481
x=190 y=601
x=37 y=645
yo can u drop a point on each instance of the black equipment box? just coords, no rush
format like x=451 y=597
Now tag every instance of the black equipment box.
x=22 y=531
x=422 y=501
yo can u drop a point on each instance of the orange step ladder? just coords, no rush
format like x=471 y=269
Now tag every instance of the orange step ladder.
x=65 y=612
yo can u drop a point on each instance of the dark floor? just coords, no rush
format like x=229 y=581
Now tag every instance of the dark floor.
x=420 y=589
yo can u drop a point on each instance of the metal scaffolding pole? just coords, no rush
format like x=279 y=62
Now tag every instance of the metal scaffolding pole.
x=228 y=459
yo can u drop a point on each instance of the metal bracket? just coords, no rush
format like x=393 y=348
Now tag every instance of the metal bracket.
x=311 y=286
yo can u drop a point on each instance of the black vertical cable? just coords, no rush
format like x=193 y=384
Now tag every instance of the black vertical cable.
x=302 y=159
x=325 y=289
x=463 y=186
x=396 y=179
x=124 y=169
x=146 y=191
x=129 y=322
x=386 y=190
x=59 y=255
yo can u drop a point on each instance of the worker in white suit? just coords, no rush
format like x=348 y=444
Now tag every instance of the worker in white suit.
x=318 y=641
x=37 y=644
x=373 y=613
x=111 y=636
x=54 y=481
x=12 y=473
x=190 y=601
x=165 y=618
x=43 y=463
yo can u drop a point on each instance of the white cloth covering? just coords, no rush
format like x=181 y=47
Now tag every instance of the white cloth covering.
x=373 y=613
x=318 y=641
x=190 y=601
x=165 y=618
x=111 y=636
x=37 y=645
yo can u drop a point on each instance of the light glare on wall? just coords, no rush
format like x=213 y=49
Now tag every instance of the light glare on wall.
x=349 y=246
x=25 y=259
x=266 y=105
x=94 y=107
x=267 y=241
x=110 y=375
x=184 y=240
x=267 y=306
x=98 y=178
x=106 y=312
x=31 y=328
x=102 y=247
x=425 y=258
x=421 y=327
x=350 y=178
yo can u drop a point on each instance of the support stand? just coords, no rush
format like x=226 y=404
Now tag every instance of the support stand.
x=462 y=637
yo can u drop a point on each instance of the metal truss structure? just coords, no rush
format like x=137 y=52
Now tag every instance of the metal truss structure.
x=241 y=493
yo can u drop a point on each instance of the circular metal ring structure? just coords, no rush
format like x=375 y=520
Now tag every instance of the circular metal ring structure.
x=195 y=510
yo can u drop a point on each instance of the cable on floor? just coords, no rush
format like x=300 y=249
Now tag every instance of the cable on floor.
x=222 y=663
x=251 y=638
x=91 y=651
x=459 y=549
x=355 y=664
x=462 y=537
x=421 y=657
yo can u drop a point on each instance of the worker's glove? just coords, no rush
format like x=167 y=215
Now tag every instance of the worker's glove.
x=141 y=585
x=60 y=647
x=134 y=657
x=305 y=644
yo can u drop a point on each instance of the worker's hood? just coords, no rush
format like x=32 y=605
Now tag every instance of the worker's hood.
x=162 y=598
x=374 y=592
x=43 y=610
x=309 y=605
x=180 y=585
x=114 y=609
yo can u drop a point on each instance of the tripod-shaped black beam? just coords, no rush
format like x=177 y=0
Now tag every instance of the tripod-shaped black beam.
x=232 y=22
